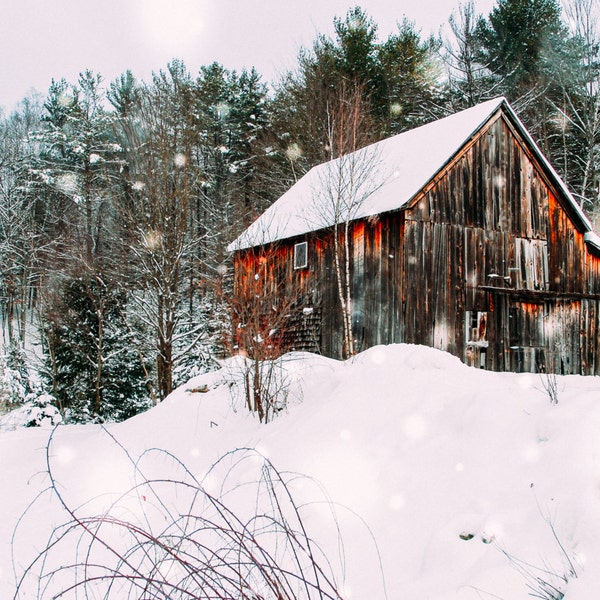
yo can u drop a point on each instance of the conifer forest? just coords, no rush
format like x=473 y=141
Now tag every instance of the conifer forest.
x=118 y=198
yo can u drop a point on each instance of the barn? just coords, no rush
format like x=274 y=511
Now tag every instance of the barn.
x=458 y=235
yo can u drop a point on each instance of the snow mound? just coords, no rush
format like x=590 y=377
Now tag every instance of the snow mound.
x=455 y=482
x=408 y=356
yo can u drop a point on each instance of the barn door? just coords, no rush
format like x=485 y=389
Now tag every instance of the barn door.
x=515 y=332
x=531 y=264
x=476 y=338
x=527 y=343
x=562 y=329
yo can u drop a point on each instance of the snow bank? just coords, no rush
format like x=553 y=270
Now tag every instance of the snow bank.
x=462 y=477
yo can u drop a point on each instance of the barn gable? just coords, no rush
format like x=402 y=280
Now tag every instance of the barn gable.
x=406 y=164
x=488 y=256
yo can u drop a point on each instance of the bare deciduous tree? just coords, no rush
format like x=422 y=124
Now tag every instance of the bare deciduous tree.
x=580 y=109
x=351 y=176
x=19 y=242
x=154 y=215
x=264 y=300
x=469 y=80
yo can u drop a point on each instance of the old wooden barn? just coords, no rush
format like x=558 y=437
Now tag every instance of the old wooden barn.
x=462 y=237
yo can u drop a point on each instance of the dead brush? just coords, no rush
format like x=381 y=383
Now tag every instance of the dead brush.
x=237 y=533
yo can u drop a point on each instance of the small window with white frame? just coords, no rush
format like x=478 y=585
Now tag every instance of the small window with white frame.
x=301 y=255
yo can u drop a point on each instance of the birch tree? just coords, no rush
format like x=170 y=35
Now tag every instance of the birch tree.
x=352 y=175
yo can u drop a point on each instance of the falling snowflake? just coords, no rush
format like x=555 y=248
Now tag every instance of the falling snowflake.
x=152 y=240
x=67 y=183
x=66 y=100
x=223 y=110
x=396 y=109
x=293 y=152
x=180 y=160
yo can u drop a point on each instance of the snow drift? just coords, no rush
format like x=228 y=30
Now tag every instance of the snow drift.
x=445 y=482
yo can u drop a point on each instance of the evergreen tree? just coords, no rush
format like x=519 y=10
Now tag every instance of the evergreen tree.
x=526 y=47
x=357 y=60
x=517 y=39
x=533 y=58
x=397 y=79
x=78 y=164
x=92 y=367
x=578 y=108
x=411 y=73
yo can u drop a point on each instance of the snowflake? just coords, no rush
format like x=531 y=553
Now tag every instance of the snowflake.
x=223 y=110
x=65 y=99
x=67 y=183
x=180 y=160
x=293 y=152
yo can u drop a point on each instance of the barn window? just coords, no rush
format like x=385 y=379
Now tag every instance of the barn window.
x=301 y=255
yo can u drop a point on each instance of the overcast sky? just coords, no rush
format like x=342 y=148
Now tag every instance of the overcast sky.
x=45 y=39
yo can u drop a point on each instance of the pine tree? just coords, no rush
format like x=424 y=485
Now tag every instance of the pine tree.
x=578 y=108
x=517 y=39
x=531 y=56
x=412 y=77
x=92 y=368
x=398 y=79
x=78 y=164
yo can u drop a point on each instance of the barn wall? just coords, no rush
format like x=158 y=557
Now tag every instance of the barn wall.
x=509 y=233
x=485 y=263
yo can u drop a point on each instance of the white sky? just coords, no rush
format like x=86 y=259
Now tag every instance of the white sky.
x=45 y=39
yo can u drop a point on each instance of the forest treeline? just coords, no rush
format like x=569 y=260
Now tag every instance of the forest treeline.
x=118 y=199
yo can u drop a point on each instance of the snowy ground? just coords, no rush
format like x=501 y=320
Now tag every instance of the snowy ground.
x=463 y=477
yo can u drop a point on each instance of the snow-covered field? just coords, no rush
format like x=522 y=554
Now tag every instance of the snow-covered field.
x=468 y=481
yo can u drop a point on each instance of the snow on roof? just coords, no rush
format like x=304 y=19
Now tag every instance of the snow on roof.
x=400 y=166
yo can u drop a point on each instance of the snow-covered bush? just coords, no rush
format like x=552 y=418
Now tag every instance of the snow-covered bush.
x=12 y=390
x=14 y=379
x=42 y=412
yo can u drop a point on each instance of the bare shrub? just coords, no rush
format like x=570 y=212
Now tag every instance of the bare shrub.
x=237 y=533
x=550 y=386
x=265 y=298
x=548 y=377
x=546 y=582
x=264 y=387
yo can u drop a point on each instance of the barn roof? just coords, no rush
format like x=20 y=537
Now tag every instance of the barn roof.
x=399 y=167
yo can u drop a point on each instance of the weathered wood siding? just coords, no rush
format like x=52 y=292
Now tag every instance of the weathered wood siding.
x=485 y=263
